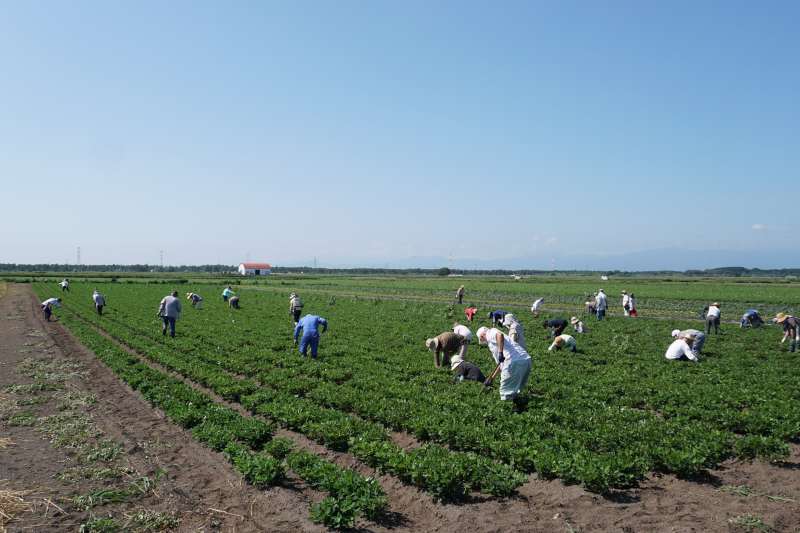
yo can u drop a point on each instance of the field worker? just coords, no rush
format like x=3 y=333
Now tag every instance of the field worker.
x=564 y=341
x=536 y=307
x=791 y=330
x=556 y=325
x=464 y=331
x=589 y=306
x=626 y=306
x=460 y=294
x=513 y=363
x=64 y=285
x=465 y=371
x=169 y=310
x=196 y=299
x=578 y=325
x=632 y=304
x=233 y=302
x=515 y=330
x=227 y=293
x=295 y=307
x=470 y=311
x=695 y=338
x=680 y=350
x=47 y=307
x=447 y=344
x=309 y=325
x=99 y=301
x=752 y=319
x=712 y=318
x=497 y=316
x=601 y=304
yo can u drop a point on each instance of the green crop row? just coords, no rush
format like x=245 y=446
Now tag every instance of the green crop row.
x=242 y=439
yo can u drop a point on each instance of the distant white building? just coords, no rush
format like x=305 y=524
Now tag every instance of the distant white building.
x=255 y=269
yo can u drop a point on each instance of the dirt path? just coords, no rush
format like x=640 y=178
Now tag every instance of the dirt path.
x=739 y=496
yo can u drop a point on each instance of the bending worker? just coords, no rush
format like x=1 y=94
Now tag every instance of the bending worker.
x=233 y=302
x=515 y=330
x=694 y=338
x=578 y=324
x=196 y=299
x=470 y=311
x=447 y=344
x=712 y=318
x=536 y=307
x=464 y=331
x=564 y=341
x=465 y=371
x=47 y=307
x=791 y=330
x=309 y=325
x=556 y=325
x=513 y=363
x=169 y=310
x=497 y=317
x=752 y=319
x=227 y=293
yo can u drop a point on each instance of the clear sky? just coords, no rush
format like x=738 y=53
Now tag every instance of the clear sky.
x=371 y=132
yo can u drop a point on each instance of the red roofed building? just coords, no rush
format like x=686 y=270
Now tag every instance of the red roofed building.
x=255 y=269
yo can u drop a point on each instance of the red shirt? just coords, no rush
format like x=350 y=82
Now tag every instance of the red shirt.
x=470 y=312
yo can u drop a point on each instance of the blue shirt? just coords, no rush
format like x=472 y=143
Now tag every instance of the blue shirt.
x=309 y=324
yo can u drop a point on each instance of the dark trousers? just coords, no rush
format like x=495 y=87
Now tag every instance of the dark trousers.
x=168 y=321
x=601 y=313
x=296 y=314
x=460 y=298
x=99 y=309
x=47 y=313
x=712 y=321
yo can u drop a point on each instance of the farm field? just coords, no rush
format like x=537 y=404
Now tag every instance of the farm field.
x=607 y=419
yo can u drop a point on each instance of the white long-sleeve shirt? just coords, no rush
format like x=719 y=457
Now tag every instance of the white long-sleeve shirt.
x=626 y=300
x=679 y=348
x=537 y=304
x=713 y=312
x=511 y=350
x=463 y=331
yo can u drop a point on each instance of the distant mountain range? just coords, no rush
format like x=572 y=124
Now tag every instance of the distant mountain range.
x=677 y=259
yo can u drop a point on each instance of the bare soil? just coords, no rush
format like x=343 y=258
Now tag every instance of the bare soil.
x=201 y=489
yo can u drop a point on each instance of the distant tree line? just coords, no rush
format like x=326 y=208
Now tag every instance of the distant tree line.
x=443 y=271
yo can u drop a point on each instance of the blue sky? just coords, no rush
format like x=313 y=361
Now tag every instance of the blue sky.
x=376 y=132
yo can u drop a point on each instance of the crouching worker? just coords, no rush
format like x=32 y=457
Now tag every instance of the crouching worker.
x=233 y=302
x=47 y=307
x=309 y=325
x=513 y=363
x=751 y=319
x=99 y=301
x=791 y=330
x=465 y=371
x=680 y=350
x=447 y=344
x=564 y=341
x=578 y=324
x=694 y=338
x=196 y=299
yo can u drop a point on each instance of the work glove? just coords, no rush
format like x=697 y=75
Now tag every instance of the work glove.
x=501 y=358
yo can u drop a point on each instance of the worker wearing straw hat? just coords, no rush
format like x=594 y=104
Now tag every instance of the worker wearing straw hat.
x=791 y=330
x=196 y=299
x=712 y=318
x=694 y=338
x=751 y=319
x=447 y=344
x=513 y=363
x=578 y=325
x=465 y=371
